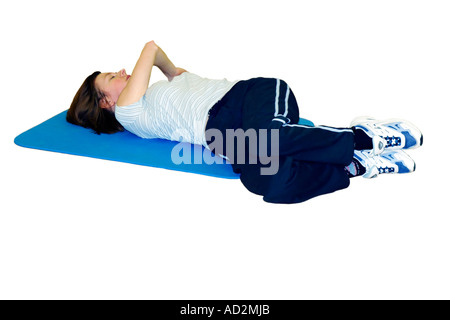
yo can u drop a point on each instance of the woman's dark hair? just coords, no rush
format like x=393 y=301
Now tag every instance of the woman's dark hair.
x=85 y=109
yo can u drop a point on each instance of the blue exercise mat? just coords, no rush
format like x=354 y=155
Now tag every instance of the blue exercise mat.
x=57 y=135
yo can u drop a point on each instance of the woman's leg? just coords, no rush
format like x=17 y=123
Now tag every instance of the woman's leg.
x=311 y=160
x=295 y=181
x=270 y=104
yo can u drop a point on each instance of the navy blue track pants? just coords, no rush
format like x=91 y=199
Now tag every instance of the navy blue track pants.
x=311 y=160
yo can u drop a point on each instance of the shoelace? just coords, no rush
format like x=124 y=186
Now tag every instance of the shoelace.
x=393 y=141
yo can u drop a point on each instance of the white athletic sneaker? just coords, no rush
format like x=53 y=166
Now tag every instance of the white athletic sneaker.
x=388 y=162
x=391 y=134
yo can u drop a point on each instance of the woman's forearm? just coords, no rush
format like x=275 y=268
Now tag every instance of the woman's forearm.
x=165 y=65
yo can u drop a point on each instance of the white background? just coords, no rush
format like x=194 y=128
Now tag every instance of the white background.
x=81 y=228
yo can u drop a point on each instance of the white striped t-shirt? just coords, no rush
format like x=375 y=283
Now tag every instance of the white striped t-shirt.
x=175 y=110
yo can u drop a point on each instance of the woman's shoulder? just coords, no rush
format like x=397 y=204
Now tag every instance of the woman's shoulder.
x=131 y=109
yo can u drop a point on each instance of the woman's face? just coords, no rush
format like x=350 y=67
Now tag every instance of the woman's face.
x=112 y=85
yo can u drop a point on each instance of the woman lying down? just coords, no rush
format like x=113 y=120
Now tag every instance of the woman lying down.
x=252 y=123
